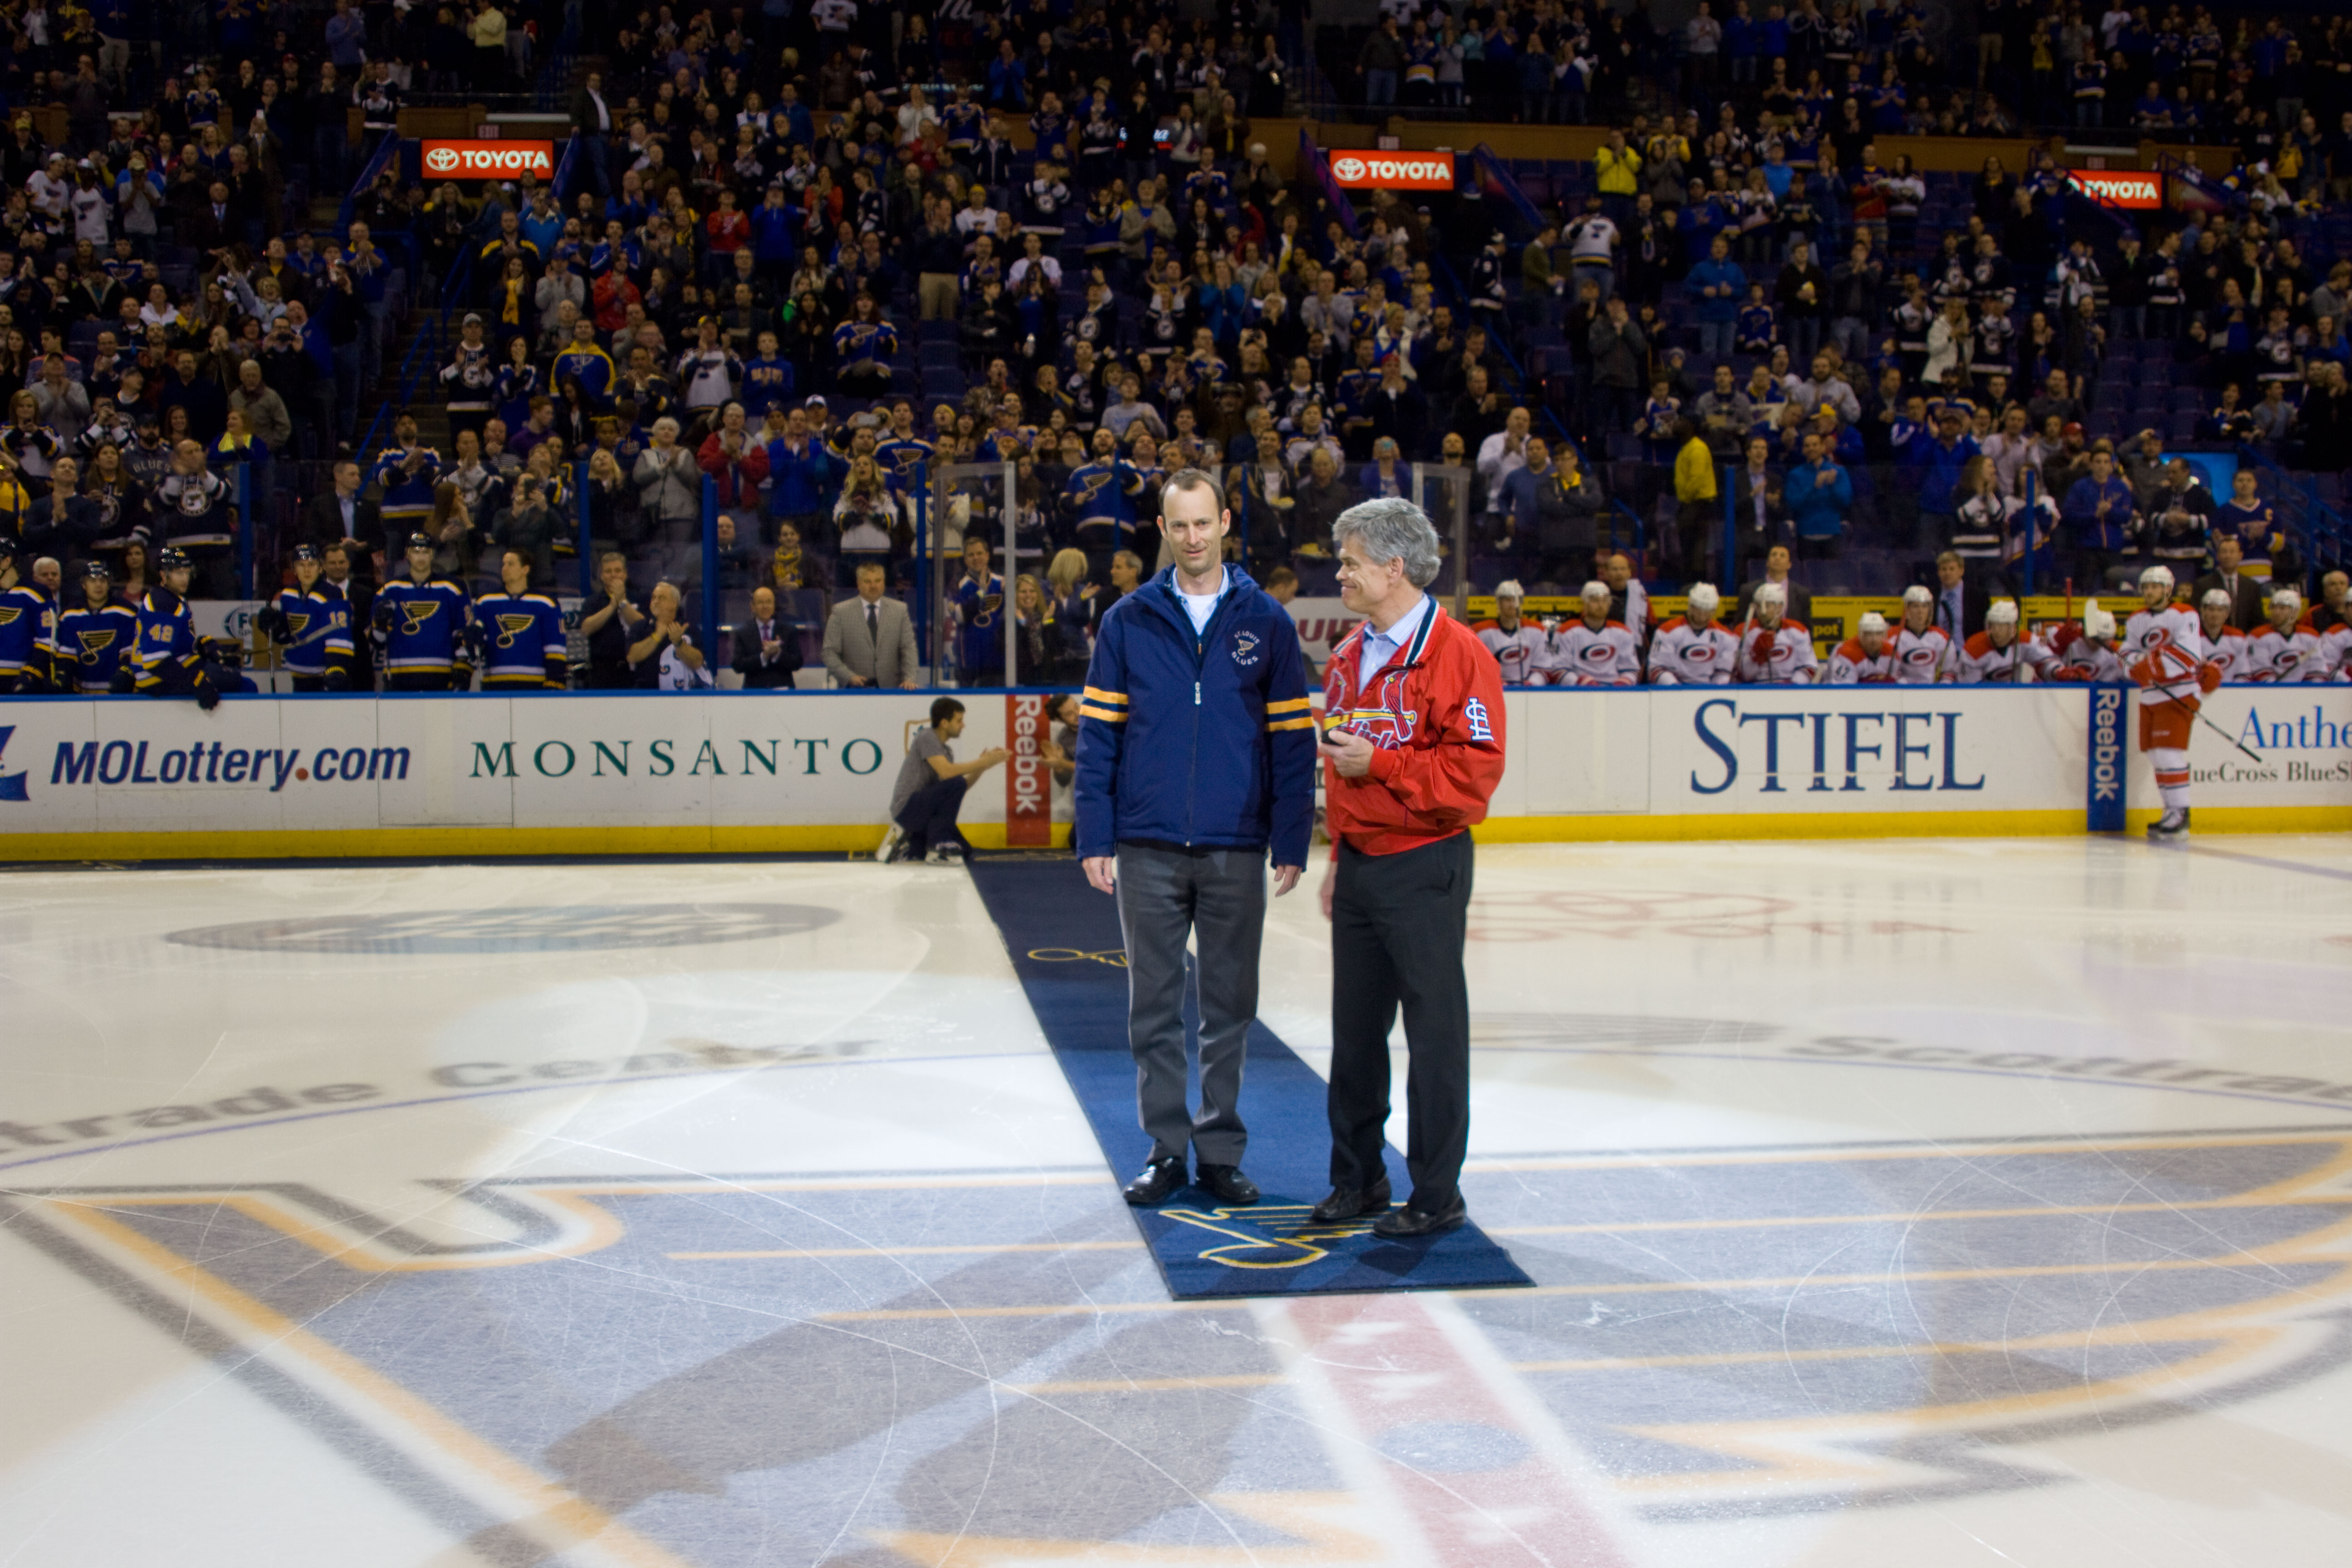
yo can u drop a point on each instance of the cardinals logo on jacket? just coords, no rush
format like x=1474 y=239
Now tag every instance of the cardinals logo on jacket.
x=1387 y=727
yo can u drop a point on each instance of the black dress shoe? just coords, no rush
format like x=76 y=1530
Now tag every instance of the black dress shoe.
x=1409 y=1221
x=1352 y=1203
x=1228 y=1186
x=1160 y=1180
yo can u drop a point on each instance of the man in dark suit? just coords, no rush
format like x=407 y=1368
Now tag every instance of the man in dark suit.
x=215 y=222
x=2245 y=592
x=767 y=651
x=1758 y=514
x=591 y=122
x=337 y=514
x=1800 y=606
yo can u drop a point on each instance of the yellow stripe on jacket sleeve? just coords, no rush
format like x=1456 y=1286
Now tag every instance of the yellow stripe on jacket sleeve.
x=1097 y=694
x=1291 y=705
x=1107 y=715
x=1306 y=721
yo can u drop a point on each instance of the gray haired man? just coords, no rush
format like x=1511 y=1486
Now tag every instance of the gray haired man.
x=1416 y=702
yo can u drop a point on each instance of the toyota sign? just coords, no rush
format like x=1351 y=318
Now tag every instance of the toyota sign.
x=1392 y=170
x=489 y=160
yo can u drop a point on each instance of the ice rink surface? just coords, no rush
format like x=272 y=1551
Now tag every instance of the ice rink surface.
x=1930 y=1202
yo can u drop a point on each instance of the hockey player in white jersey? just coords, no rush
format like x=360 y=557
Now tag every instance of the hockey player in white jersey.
x=2163 y=649
x=2088 y=652
x=1593 y=650
x=1518 y=645
x=2336 y=652
x=2225 y=645
x=1695 y=648
x=1999 y=655
x=1923 y=652
x=2284 y=652
x=1864 y=658
x=1773 y=649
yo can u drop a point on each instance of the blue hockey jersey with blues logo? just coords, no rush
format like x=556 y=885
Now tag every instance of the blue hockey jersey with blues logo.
x=318 y=627
x=167 y=642
x=27 y=632
x=1099 y=491
x=523 y=641
x=423 y=625
x=93 y=644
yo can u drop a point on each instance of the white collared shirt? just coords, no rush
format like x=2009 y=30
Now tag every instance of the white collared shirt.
x=1377 y=648
x=1200 y=606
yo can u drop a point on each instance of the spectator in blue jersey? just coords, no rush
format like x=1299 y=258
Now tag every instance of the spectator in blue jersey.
x=1936 y=467
x=2102 y=522
x=977 y=601
x=862 y=347
x=585 y=361
x=1719 y=284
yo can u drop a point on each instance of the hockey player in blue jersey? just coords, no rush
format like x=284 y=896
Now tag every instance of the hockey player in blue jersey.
x=171 y=663
x=422 y=622
x=96 y=637
x=519 y=632
x=28 y=630
x=311 y=622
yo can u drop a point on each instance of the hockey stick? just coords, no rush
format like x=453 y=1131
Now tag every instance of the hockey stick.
x=2198 y=715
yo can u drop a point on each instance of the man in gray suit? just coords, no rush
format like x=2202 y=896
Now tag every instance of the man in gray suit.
x=870 y=640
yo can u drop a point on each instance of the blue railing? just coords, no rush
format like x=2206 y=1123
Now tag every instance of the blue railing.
x=417 y=360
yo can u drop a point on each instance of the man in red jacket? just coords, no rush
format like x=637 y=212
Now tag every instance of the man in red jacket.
x=1414 y=747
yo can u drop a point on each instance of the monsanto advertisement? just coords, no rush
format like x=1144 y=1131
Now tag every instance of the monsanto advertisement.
x=655 y=760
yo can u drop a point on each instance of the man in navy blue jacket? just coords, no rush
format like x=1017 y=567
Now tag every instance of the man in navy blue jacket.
x=1196 y=757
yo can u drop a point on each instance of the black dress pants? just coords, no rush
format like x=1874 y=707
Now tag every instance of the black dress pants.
x=1396 y=928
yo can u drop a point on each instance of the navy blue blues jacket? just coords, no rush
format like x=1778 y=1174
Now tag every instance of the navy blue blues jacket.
x=1198 y=741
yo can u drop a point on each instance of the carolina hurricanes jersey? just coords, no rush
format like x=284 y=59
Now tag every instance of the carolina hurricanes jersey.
x=2285 y=657
x=1584 y=657
x=2336 y=653
x=2161 y=650
x=1921 y=658
x=1685 y=655
x=1518 y=651
x=1781 y=656
x=2229 y=651
x=1981 y=663
x=1854 y=665
x=2087 y=660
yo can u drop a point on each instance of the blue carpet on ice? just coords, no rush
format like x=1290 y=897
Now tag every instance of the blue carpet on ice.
x=1066 y=947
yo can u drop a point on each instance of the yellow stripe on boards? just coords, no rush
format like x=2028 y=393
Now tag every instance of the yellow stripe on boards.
x=366 y=843
x=1779 y=825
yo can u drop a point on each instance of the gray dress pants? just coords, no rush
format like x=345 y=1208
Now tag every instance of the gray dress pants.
x=1165 y=895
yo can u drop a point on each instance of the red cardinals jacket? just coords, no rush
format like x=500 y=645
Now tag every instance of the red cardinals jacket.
x=1434 y=713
